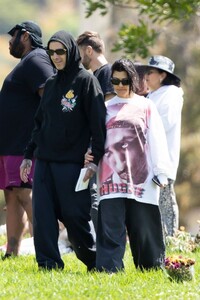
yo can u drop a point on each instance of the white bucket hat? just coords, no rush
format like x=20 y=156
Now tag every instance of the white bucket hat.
x=163 y=63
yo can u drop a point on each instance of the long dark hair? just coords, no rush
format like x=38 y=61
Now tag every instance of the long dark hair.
x=170 y=79
x=127 y=66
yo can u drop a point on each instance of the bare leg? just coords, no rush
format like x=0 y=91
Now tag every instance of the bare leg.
x=18 y=201
x=30 y=228
x=24 y=197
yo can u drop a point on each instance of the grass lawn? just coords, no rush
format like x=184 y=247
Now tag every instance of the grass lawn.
x=20 y=279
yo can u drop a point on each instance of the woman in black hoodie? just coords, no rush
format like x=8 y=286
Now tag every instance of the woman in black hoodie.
x=71 y=114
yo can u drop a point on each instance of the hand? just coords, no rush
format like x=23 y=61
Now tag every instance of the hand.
x=162 y=186
x=161 y=180
x=25 y=169
x=88 y=157
x=89 y=174
x=91 y=170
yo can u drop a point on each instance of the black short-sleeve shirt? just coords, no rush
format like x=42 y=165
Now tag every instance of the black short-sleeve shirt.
x=19 y=100
x=103 y=74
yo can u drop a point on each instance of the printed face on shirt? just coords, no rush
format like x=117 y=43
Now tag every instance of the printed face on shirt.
x=85 y=59
x=58 y=60
x=125 y=154
x=121 y=90
x=16 y=45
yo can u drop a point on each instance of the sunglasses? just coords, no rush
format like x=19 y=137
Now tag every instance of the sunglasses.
x=51 y=52
x=117 y=81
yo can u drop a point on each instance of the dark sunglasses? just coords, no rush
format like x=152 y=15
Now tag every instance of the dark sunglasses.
x=51 y=52
x=116 y=81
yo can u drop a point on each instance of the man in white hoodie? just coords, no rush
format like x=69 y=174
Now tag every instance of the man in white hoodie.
x=166 y=93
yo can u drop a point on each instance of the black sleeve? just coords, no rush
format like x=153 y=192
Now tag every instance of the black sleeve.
x=30 y=148
x=103 y=75
x=38 y=70
x=96 y=114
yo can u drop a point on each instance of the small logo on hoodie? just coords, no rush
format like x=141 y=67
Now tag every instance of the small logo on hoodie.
x=68 y=102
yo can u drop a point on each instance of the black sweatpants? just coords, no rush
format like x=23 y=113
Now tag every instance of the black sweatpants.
x=141 y=221
x=54 y=198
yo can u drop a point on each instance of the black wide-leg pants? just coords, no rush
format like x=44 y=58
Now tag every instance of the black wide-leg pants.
x=141 y=221
x=54 y=198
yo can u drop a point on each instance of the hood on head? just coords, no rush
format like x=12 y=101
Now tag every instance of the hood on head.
x=73 y=55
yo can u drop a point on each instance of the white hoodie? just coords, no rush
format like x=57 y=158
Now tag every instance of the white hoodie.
x=169 y=102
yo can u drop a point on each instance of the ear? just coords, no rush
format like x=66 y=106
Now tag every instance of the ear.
x=163 y=75
x=89 y=50
x=25 y=36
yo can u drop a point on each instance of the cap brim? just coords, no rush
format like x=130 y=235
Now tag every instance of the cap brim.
x=12 y=31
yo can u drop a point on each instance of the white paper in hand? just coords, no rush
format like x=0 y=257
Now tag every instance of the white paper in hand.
x=80 y=184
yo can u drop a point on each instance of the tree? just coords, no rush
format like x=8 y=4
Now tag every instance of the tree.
x=150 y=12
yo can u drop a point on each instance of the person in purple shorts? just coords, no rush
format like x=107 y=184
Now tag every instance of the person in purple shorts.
x=19 y=99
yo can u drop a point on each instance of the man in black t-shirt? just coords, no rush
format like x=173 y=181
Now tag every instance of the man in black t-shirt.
x=19 y=99
x=92 y=51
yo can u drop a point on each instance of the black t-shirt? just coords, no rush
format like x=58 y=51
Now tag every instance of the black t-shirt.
x=19 y=100
x=103 y=74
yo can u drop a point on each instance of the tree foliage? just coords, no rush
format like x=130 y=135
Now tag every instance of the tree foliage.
x=135 y=39
x=154 y=11
x=162 y=10
x=157 y=10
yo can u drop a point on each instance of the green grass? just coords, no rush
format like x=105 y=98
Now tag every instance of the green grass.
x=20 y=279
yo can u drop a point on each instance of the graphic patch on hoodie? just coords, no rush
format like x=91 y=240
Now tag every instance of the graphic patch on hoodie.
x=68 y=102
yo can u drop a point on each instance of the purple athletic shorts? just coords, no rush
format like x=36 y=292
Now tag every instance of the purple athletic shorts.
x=10 y=174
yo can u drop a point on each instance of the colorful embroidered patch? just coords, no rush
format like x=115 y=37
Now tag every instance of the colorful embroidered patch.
x=68 y=101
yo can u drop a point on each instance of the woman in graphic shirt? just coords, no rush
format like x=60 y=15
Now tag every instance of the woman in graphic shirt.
x=135 y=151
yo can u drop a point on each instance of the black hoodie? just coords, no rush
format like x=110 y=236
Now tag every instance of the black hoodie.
x=71 y=113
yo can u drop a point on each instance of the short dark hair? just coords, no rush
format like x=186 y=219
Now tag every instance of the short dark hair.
x=127 y=66
x=91 y=38
x=170 y=79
